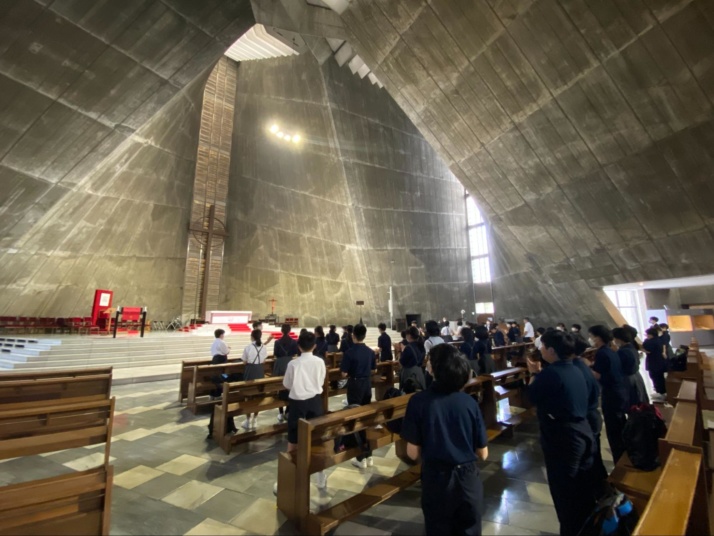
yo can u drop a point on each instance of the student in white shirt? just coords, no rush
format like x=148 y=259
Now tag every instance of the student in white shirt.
x=432 y=330
x=528 y=332
x=253 y=356
x=219 y=349
x=304 y=378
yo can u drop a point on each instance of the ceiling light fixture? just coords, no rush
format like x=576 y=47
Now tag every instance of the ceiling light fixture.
x=274 y=128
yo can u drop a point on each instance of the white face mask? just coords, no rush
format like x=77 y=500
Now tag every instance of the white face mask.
x=591 y=341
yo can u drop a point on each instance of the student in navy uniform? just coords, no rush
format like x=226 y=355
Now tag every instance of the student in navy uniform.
x=514 y=333
x=357 y=366
x=444 y=427
x=560 y=394
x=497 y=335
x=655 y=362
x=482 y=352
x=284 y=350
x=333 y=339
x=346 y=341
x=320 y=342
x=384 y=342
x=607 y=369
x=666 y=339
x=627 y=350
x=467 y=348
x=410 y=361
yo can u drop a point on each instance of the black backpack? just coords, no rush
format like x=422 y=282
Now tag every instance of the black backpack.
x=678 y=362
x=394 y=426
x=613 y=515
x=643 y=429
x=351 y=440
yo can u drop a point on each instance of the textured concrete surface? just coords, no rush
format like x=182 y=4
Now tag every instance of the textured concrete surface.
x=98 y=130
x=362 y=202
x=583 y=128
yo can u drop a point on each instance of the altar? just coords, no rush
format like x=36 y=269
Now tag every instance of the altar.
x=228 y=317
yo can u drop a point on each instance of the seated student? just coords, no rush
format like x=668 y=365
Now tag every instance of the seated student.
x=497 y=336
x=655 y=362
x=607 y=369
x=304 y=378
x=627 y=350
x=320 y=342
x=333 y=339
x=482 y=352
x=467 y=348
x=560 y=394
x=346 y=341
x=384 y=342
x=357 y=366
x=432 y=330
x=444 y=427
x=284 y=350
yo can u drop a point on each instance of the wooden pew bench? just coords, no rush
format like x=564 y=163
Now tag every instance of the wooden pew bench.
x=315 y=452
x=201 y=384
x=187 y=373
x=482 y=390
x=333 y=359
x=76 y=503
x=49 y=374
x=19 y=394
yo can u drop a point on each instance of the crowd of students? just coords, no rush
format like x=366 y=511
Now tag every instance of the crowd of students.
x=574 y=397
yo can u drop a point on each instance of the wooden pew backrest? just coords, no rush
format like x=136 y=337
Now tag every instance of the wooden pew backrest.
x=28 y=393
x=75 y=503
x=48 y=374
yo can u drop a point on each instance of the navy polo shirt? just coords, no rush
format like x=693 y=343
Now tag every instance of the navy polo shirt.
x=480 y=349
x=593 y=395
x=332 y=338
x=448 y=427
x=467 y=349
x=385 y=345
x=560 y=393
x=358 y=361
x=285 y=346
x=346 y=343
x=629 y=359
x=615 y=386
x=499 y=339
x=411 y=356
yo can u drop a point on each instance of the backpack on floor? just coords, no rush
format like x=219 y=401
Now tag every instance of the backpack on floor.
x=643 y=429
x=678 y=362
x=613 y=515
x=352 y=440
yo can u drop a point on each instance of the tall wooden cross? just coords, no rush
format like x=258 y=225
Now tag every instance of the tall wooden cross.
x=205 y=236
x=272 y=306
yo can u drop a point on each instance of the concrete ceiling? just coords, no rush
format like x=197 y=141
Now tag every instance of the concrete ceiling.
x=584 y=129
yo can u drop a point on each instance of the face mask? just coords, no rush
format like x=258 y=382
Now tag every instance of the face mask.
x=591 y=341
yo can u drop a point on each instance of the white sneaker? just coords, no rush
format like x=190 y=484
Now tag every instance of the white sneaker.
x=254 y=424
x=245 y=425
x=281 y=419
x=361 y=464
x=275 y=488
x=321 y=480
x=370 y=462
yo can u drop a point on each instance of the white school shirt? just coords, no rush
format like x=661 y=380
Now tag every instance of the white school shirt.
x=528 y=330
x=305 y=376
x=219 y=347
x=431 y=342
x=445 y=331
x=255 y=355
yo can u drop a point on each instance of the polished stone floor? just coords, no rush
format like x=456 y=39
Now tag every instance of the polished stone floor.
x=170 y=480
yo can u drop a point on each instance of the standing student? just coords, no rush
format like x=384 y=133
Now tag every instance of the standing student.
x=284 y=350
x=346 y=341
x=444 y=427
x=514 y=333
x=655 y=362
x=333 y=339
x=497 y=336
x=357 y=366
x=607 y=369
x=528 y=331
x=482 y=352
x=654 y=321
x=666 y=339
x=432 y=330
x=410 y=361
x=219 y=353
x=384 y=341
x=304 y=378
x=624 y=339
x=320 y=342
x=467 y=348
x=560 y=394
x=253 y=356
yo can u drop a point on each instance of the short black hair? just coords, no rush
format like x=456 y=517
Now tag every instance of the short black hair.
x=623 y=334
x=306 y=341
x=561 y=342
x=526 y=319
x=319 y=332
x=580 y=345
x=654 y=318
x=359 y=332
x=450 y=368
x=256 y=323
x=654 y=332
x=540 y=331
x=664 y=326
x=467 y=334
x=333 y=327
x=560 y=324
x=602 y=332
x=481 y=333
x=577 y=326
x=349 y=328
x=285 y=329
x=432 y=328
x=382 y=326
x=413 y=332
x=218 y=333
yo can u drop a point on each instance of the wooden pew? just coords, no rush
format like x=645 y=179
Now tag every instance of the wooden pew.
x=48 y=374
x=187 y=373
x=76 y=503
x=201 y=383
x=21 y=394
x=315 y=453
x=333 y=359
x=482 y=390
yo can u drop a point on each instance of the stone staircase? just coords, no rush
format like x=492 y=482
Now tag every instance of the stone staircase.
x=155 y=357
